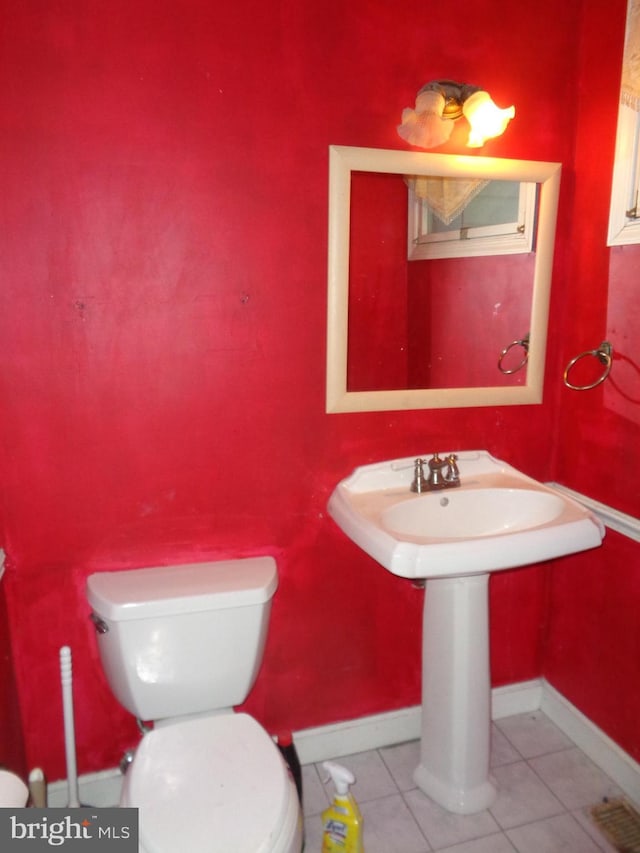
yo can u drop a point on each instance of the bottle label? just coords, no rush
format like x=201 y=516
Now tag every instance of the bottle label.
x=336 y=830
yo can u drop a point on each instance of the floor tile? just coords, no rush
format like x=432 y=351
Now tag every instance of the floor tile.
x=502 y=751
x=522 y=796
x=533 y=734
x=545 y=788
x=389 y=827
x=574 y=778
x=489 y=844
x=373 y=780
x=561 y=834
x=401 y=761
x=444 y=829
x=312 y=834
x=314 y=796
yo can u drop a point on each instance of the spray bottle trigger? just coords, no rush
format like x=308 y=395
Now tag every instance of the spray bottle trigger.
x=340 y=776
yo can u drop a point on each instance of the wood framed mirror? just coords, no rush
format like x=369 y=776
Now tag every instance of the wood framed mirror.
x=405 y=331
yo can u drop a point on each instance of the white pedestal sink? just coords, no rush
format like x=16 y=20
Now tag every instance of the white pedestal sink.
x=454 y=538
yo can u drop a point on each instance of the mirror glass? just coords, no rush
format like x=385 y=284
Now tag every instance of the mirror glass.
x=421 y=309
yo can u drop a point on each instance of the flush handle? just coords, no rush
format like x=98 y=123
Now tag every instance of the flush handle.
x=99 y=624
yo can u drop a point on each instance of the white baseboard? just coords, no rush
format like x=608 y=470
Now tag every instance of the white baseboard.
x=100 y=789
x=379 y=730
x=338 y=739
x=595 y=744
x=516 y=698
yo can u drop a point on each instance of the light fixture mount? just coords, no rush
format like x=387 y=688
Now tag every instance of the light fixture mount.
x=454 y=94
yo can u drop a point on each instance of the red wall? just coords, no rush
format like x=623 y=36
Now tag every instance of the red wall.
x=11 y=739
x=162 y=315
x=378 y=334
x=592 y=650
x=477 y=307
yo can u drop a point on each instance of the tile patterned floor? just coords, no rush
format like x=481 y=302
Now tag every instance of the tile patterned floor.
x=545 y=783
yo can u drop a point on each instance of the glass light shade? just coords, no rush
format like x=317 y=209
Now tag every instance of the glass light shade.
x=424 y=126
x=486 y=120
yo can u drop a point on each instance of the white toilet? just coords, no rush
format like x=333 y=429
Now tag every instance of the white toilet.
x=180 y=646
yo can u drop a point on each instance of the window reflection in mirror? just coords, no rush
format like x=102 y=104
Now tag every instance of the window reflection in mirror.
x=453 y=218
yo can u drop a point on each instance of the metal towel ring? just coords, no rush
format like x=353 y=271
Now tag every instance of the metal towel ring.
x=604 y=354
x=524 y=343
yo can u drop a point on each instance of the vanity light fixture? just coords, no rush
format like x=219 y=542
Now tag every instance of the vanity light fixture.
x=440 y=103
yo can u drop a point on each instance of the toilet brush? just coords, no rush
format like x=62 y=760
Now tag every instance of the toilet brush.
x=38 y=788
x=66 y=677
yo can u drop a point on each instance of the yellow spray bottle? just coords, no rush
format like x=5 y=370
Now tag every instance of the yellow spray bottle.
x=342 y=822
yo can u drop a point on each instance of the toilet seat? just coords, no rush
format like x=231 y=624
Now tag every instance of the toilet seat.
x=213 y=784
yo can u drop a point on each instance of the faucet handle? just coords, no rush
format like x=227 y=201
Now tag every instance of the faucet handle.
x=419 y=483
x=453 y=472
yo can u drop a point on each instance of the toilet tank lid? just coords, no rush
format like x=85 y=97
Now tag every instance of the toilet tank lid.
x=165 y=590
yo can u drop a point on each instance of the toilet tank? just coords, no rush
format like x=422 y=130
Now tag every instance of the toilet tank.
x=188 y=639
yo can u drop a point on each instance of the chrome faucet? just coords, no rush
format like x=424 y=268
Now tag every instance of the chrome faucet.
x=443 y=474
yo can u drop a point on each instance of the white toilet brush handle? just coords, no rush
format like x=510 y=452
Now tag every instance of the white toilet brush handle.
x=38 y=788
x=69 y=730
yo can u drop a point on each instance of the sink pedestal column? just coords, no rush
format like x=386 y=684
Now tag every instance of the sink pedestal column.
x=456 y=695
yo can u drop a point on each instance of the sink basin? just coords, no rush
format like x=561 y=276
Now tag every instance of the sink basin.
x=472 y=513
x=498 y=518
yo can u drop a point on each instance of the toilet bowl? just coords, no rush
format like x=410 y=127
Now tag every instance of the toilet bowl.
x=215 y=784
x=13 y=792
x=182 y=645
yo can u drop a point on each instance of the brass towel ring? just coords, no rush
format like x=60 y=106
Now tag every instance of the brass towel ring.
x=524 y=343
x=604 y=354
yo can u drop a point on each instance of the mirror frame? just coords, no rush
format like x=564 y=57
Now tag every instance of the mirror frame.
x=344 y=160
